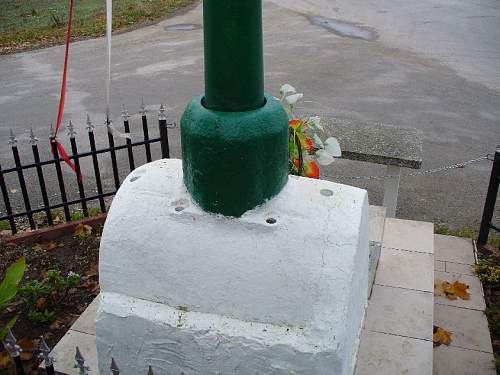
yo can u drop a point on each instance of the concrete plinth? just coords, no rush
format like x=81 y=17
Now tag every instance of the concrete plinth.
x=280 y=290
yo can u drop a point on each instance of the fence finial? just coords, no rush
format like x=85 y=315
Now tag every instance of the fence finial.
x=162 y=114
x=143 y=110
x=80 y=363
x=125 y=115
x=90 y=126
x=71 y=130
x=45 y=353
x=114 y=367
x=10 y=344
x=12 y=138
x=33 y=139
x=150 y=371
x=51 y=131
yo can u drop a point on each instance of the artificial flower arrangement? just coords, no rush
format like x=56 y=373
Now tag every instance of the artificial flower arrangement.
x=307 y=150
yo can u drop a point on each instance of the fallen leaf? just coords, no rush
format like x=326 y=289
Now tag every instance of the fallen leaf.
x=49 y=246
x=5 y=360
x=13 y=191
x=451 y=291
x=441 y=336
x=28 y=345
x=26 y=356
x=41 y=304
x=83 y=230
x=93 y=270
x=36 y=247
x=461 y=290
x=56 y=325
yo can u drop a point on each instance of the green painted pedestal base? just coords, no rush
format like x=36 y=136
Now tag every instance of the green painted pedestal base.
x=234 y=161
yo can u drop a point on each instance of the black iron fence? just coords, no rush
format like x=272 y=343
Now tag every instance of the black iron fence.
x=489 y=206
x=56 y=161
x=44 y=353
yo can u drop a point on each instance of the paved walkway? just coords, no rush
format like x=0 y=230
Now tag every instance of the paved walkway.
x=470 y=352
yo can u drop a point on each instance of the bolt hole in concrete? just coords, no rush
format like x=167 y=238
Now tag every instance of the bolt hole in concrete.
x=179 y=209
x=183 y=27
x=271 y=220
x=326 y=192
x=135 y=178
x=344 y=29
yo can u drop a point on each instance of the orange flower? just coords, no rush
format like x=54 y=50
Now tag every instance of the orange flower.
x=309 y=145
x=294 y=123
x=311 y=170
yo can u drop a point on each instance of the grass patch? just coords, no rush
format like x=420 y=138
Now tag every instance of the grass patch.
x=4 y=225
x=39 y=23
x=467 y=232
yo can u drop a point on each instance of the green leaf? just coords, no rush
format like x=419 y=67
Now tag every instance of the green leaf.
x=5 y=329
x=13 y=276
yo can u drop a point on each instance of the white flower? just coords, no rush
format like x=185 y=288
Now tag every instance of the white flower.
x=293 y=99
x=332 y=147
x=318 y=143
x=287 y=89
x=315 y=123
x=324 y=158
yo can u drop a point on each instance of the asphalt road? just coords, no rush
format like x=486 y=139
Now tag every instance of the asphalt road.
x=431 y=65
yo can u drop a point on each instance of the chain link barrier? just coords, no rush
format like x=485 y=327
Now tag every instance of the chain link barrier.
x=420 y=173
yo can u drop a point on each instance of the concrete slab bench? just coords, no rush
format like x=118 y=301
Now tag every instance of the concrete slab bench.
x=393 y=146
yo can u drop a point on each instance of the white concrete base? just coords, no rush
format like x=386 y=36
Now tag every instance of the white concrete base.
x=190 y=292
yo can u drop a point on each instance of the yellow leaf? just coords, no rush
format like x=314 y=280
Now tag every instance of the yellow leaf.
x=451 y=291
x=83 y=230
x=5 y=360
x=441 y=336
x=461 y=290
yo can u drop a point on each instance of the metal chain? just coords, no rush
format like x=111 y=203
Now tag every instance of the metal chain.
x=413 y=174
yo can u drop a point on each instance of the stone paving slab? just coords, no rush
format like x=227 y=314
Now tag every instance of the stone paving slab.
x=439 y=265
x=469 y=327
x=376 y=143
x=64 y=353
x=449 y=360
x=409 y=235
x=406 y=269
x=86 y=322
x=401 y=312
x=454 y=249
x=464 y=269
x=476 y=301
x=383 y=354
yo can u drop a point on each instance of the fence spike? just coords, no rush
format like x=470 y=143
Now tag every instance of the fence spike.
x=51 y=131
x=71 y=130
x=150 y=371
x=143 y=110
x=12 y=138
x=114 y=367
x=45 y=353
x=125 y=115
x=80 y=362
x=10 y=344
x=33 y=139
x=162 y=114
x=90 y=126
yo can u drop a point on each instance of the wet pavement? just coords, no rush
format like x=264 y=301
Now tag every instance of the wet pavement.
x=425 y=65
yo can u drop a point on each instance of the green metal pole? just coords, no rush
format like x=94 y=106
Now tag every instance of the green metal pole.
x=234 y=69
x=235 y=137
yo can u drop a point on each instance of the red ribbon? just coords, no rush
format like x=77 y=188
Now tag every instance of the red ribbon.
x=62 y=152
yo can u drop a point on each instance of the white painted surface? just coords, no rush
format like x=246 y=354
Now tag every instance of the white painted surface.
x=200 y=293
x=391 y=191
